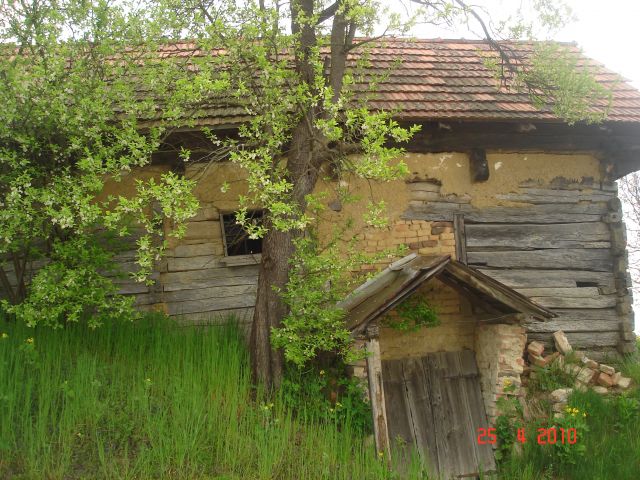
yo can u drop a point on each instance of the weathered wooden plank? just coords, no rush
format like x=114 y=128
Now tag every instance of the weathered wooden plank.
x=553 y=196
x=198 y=249
x=585 y=297
x=518 y=278
x=460 y=236
x=582 y=339
x=561 y=184
x=539 y=214
x=595 y=259
x=395 y=401
x=203 y=230
x=210 y=292
x=145 y=299
x=212 y=282
x=132 y=288
x=460 y=433
x=441 y=414
x=237 y=260
x=211 y=304
x=578 y=320
x=461 y=277
x=376 y=395
x=418 y=402
x=193 y=263
x=526 y=236
x=211 y=277
x=240 y=316
x=207 y=211
x=424 y=187
x=469 y=369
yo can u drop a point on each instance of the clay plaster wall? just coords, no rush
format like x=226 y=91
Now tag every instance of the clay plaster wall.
x=545 y=224
x=455 y=332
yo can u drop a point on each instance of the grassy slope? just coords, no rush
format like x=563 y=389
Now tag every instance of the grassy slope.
x=152 y=400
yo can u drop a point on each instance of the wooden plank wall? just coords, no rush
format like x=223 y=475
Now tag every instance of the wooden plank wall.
x=194 y=282
x=561 y=244
x=202 y=286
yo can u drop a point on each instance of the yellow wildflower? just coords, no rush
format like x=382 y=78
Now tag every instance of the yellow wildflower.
x=321 y=372
x=381 y=454
x=5 y=335
x=507 y=383
x=30 y=340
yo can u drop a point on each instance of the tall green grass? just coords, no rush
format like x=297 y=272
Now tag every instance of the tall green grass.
x=154 y=400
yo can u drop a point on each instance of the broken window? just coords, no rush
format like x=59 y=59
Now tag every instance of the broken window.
x=236 y=239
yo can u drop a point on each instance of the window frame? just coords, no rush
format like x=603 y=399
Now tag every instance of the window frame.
x=243 y=258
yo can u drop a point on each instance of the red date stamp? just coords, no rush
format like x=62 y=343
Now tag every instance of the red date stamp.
x=546 y=436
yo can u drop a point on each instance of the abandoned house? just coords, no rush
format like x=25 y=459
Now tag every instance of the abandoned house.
x=512 y=218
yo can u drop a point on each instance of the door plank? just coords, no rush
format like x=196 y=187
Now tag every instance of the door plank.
x=484 y=453
x=421 y=415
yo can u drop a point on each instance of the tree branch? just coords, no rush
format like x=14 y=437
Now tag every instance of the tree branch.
x=328 y=12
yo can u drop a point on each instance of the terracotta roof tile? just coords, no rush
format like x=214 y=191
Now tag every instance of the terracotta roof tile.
x=442 y=79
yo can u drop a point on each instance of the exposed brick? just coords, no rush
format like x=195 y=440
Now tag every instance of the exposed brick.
x=607 y=369
x=605 y=380
x=422 y=244
x=535 y=348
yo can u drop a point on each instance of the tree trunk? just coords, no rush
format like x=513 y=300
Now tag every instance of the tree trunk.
x=267 y=363
x=303 y=164
x=277 y=250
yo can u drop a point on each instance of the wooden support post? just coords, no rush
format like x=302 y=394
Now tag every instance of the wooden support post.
x=376 y=393
x=460 y=237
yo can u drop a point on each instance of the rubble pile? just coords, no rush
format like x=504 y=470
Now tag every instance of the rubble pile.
x=587 y=373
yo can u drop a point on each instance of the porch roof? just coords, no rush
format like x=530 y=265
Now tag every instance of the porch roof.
x=392 y=285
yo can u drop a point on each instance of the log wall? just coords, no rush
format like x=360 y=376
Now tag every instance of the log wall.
x=562 y=244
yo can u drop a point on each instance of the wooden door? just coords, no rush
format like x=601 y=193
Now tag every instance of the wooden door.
x=434 y=404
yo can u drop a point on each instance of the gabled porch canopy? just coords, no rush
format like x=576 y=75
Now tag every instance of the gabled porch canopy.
x=392 y=285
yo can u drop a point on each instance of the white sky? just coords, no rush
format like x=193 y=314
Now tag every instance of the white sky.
x=608 y=31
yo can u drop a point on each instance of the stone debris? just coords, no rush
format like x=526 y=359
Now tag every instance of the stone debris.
x=537 y=360
x=535 y=348
x=605 y=380
x=624 y=382
x=587 y=373
x=561 y=395
x=562 y=344
x=616 y=377
x=607 y=369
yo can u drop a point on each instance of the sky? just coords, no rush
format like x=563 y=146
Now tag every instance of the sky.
x=608 y=31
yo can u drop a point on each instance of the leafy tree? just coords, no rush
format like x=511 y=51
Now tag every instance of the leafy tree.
x=288 y=64
x=72 y=73
x=85 y=73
